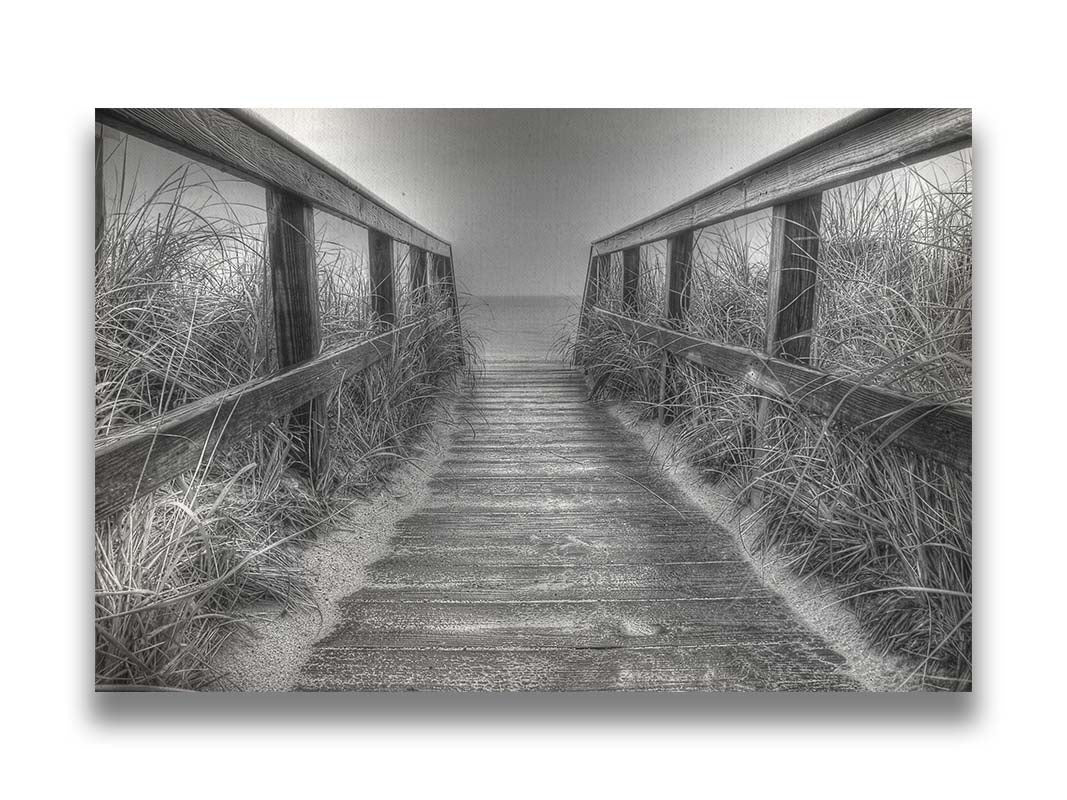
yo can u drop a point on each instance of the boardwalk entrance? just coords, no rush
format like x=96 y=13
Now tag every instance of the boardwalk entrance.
x=552 y=554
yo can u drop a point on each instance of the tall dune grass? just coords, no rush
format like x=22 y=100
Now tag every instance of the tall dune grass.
x=890 y=529
x=183 y=311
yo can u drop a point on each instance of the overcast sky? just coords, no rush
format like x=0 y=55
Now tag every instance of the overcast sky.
x=520 y=194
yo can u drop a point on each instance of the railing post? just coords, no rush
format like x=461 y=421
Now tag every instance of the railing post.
x=294 y=287
x=380 y=246
x=631 y=275
x=101 y=210
x=679 y=260
x=791 y=286
x=418 y=271
x=791 y=281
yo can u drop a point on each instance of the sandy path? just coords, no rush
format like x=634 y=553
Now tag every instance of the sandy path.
x=280 y=642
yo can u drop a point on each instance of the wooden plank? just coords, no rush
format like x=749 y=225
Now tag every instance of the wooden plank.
x=509 y=626
x=449 y=274
x=603 y=276
x=381 y=276
x=250 y=148
x=679 y=263
x=554 y=573
x=418 y=270
x=589 y=292
x=297 y=329
x=777 y=667
x=791 y=280
x=137 y=460
x=631 y=275
x=936 y=430
x=872 y=146
x=100 y=209
x=408 y=581
x=791 y=284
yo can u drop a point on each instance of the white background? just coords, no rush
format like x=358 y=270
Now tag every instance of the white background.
x=58 y=64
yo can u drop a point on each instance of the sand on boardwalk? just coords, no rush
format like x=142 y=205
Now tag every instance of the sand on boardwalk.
x=814 y=601
x=280 y=640
x=336 y=564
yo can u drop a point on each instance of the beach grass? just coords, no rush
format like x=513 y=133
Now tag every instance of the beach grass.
x=183 y=310
x=890 y=530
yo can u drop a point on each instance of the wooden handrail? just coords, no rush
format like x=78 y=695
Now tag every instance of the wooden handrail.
x=244 y=145
x=141 y=458
x=137 y=460
x=940 y=431
x=861 y=146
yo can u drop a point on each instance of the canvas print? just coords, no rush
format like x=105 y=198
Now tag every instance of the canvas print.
x=533 y=399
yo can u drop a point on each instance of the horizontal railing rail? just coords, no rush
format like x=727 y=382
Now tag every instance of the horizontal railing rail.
x=861 y=146
x=938 y=430
x=139 y=459
x=134 y=461
x=791 y=183
x=247 y=146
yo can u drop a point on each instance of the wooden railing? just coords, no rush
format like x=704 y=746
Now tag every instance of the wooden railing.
x=141 y=458
x=791 y=183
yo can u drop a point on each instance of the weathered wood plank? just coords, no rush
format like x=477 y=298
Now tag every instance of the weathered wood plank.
x=715 y=579
x=589 y=291
x=792 y=278
x=679 y=262
x=791 y=287
x=244 y=145
x=549 y=572
x=771 y=667
x=380 y=248
x=631 y=275
x=418 y=269
x=297 y=330
x=139 y=459
x=100 y=208
x=889 y=140
x=511 y=626
x=937 y=430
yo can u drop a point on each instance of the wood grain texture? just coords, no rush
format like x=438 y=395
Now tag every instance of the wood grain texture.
x=141 y=458
x=549 y=552
x=679 y=262
x=589 y=291
x=938 y=431
x=792 y=278
x=222 y=139
x=631 y=275
x=418 y=269
x=380 y=254
x=297 y=329
x=100 y=209
x=899 y=137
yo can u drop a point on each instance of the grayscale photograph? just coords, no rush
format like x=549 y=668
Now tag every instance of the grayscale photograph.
x=532 y=400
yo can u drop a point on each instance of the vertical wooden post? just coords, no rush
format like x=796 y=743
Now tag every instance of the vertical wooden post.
x=679 y=260
x=101 y=210
x=791 y=286
x=631 y=272
x=588 y=300
x=418 y=271
x=791 y=283
x=381 y=276
x=445 y=276
x=294 y=285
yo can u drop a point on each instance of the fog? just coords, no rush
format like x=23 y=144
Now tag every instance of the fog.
x=520 y=194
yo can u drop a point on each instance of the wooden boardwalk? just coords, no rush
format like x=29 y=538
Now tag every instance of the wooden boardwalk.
x=551 y=554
